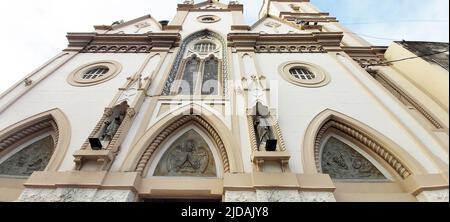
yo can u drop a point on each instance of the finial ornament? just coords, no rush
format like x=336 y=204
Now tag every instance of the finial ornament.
x=188 y=2
x=234 y=2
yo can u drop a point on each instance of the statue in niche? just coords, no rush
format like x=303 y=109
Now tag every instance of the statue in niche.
x=189 y=156
x=111 y=128
x=265 y=139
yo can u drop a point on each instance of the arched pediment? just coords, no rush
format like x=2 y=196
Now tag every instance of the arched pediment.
x=187 y=153
x=139 y=156
x=342 y=161
x=378 y=146
x=23 y=136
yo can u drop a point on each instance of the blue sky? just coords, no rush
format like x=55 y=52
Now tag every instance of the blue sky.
x=36 y=28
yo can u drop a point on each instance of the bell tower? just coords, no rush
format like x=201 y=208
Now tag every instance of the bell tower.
x=304 y=15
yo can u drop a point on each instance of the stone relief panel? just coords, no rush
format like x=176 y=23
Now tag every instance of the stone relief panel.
x=188 y=156
x=35 y=157
x=341 y=161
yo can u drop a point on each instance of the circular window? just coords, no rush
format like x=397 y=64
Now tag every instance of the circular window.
x=94 y=73
x=208 y=19
x=304 y=74
x=205 y=47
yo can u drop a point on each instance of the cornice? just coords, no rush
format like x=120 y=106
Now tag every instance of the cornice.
x=314 y=42
x=307 y=17
x=366 y=55
x=121 y=43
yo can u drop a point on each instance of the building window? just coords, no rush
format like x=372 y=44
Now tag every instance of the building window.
x=208 y=19
x=189 y=78
x=210 y=81
x=205 y=47
x=304 y=74
x=94 y=73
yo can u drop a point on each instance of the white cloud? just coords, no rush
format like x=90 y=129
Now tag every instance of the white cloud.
x=33 y=31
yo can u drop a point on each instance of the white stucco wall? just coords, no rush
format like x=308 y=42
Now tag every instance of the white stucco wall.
x=191 y=25
x=298 y=105
x=83 y=106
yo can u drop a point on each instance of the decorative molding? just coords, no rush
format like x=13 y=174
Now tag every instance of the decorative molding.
x=122 y=43
x=44 y=125
x=252 y=133
x=316 y=42
x=144 y=160
x=267 y=48
x=103 y=48
x=50 y=121
x=418 y=107
x=361 y=137
x=365 y=56
x=279 y=135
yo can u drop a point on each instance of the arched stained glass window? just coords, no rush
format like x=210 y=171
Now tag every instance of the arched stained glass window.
x=210 y=84
x=189 y=78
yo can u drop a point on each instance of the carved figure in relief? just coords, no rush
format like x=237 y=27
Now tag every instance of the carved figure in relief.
x=188 y=158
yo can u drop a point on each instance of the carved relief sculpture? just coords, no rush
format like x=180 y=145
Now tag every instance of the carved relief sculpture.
x=188 y=156
x=341 y=161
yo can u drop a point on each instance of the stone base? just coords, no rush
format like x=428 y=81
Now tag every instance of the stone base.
x=278 y=196
x=76 y=195
x=434 y=196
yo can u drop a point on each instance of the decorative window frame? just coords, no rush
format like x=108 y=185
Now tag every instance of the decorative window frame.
x=76 y=77
x=322 y=77
x=185 y=52
x=195 y=42
x=214 y=17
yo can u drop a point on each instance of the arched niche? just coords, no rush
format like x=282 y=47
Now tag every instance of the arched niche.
x=373 y=143
x=189 y=152
x=21 y=139
x=143 y=150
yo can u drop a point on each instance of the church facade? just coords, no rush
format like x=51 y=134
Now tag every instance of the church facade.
x=295 y=108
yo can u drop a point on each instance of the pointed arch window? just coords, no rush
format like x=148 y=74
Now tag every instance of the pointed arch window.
x=210 y=82
x=342 y=162
x=189 y=78
x=200 y=67
x=200 y=76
